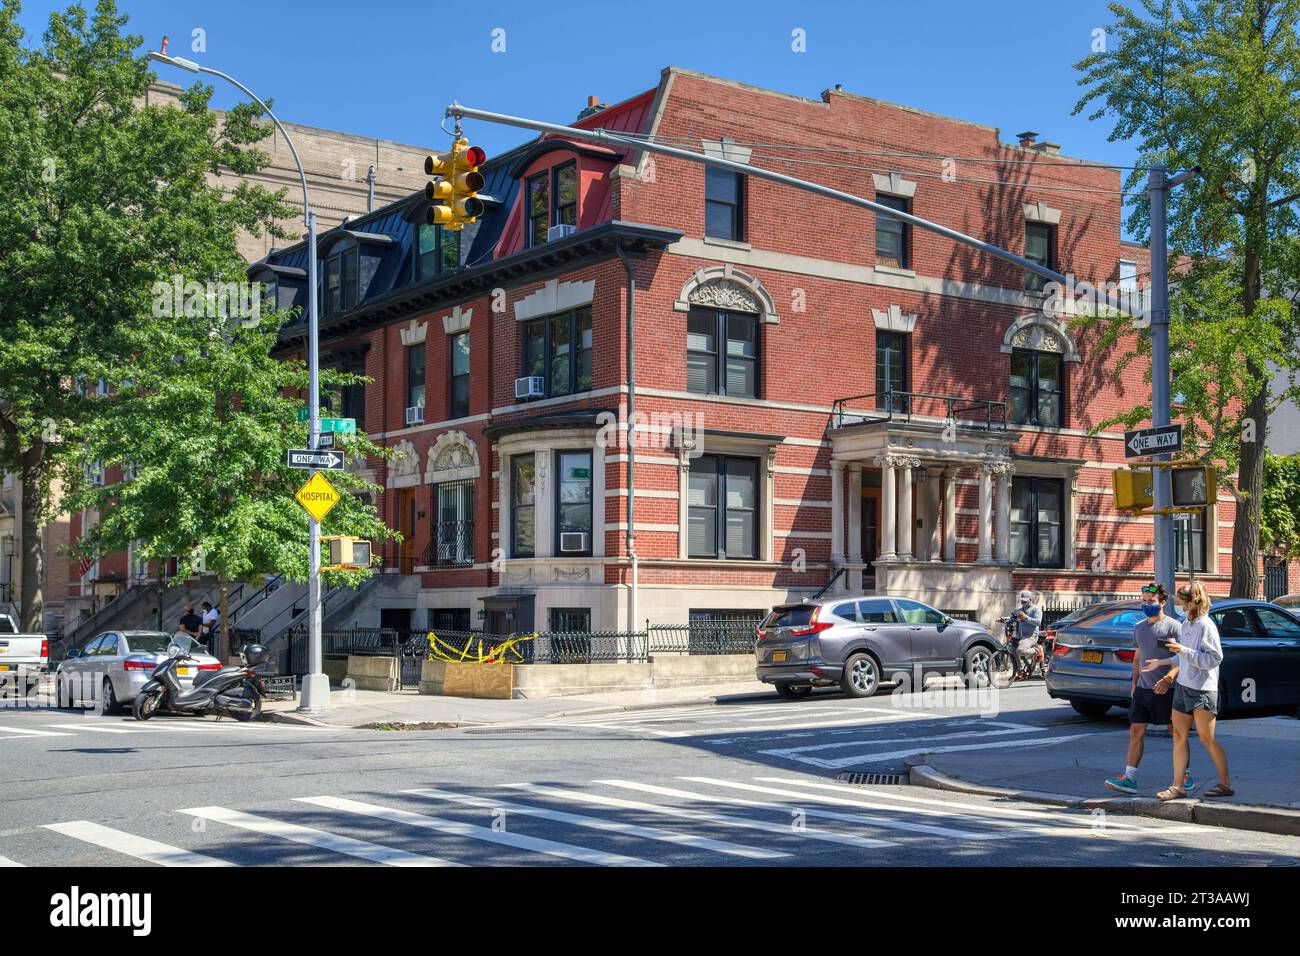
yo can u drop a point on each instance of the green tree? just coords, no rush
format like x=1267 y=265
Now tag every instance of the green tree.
x=101 y=197
x=201 y=436
x=1281 y=505
x=1216 y=84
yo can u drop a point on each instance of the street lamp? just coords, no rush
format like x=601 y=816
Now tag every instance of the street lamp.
x=315 y=685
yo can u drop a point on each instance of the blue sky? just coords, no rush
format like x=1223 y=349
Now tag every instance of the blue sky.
x=372 y=68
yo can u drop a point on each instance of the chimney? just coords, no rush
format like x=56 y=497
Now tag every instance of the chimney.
x=1027 y=139
x=594 y=105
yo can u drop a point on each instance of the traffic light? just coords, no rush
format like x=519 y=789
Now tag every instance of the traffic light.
x=346 y=553
x=453 y=196
x=1133 y=488
x=1194 y=486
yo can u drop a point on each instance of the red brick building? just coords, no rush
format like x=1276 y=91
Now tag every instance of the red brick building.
x=816 y=392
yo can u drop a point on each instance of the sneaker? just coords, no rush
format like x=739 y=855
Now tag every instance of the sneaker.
x=1122 y=784
x=1188 y=785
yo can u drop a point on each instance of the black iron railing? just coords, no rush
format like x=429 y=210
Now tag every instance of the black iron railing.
x=703 y=637
x=452 y=544
x=893 y=405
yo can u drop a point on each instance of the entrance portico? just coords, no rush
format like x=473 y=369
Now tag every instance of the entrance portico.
x=919 y=461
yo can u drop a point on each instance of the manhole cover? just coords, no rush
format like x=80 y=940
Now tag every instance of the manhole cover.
x=871 y=779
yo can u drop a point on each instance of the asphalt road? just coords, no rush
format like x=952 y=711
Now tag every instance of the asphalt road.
x=747 y=783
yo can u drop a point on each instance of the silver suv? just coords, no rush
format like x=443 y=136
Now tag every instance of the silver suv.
x=862 y=642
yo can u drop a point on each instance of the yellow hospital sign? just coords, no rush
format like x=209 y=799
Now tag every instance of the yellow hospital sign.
x=318 y=496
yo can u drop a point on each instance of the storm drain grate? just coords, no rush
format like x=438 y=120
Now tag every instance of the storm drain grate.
x=871 y=779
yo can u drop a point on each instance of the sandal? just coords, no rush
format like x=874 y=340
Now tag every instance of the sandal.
x=1220 y=790
x=1171 y=793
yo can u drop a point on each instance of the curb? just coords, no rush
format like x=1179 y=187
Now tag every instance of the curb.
x=1277 y=820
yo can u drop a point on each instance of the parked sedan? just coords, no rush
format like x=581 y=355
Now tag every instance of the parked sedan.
x=114 y=665
x=1093 y=661
x=860 y=643
x=1289 y=601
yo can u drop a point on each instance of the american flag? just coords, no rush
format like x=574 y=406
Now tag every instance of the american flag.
x=85 y=566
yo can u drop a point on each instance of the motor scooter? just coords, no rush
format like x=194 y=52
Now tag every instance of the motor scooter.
x=235 y=691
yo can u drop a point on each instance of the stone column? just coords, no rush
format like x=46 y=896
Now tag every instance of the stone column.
x=855 y=526
x=986 y=514
x=1002 y=511
x=906 y=527
x=950 y=514
x=935 y=550
x=887 y=552
x=837 y=512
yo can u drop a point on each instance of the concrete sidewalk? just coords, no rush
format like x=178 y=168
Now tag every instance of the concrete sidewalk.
x=1263 y=757
x=359 y=708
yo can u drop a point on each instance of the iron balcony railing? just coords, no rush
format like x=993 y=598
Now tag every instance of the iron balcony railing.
x=452 y=544
x=894 y=405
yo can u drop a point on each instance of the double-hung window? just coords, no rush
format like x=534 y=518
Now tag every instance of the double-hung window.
x=1037 y=388
x=564 y=195
x=1037 y=517
x=523 y=506
x=724 y=204
x=551 y=199
x=558 y=349
x=415 y=375
x=1040 y=239
x=723 y=510
x=722 y=353
x=458 y=405
x=892 y=235
x=439 y=251
x=537 y=196
x=573 y=503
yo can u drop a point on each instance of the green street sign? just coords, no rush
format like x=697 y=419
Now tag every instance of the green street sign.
x=340 y=426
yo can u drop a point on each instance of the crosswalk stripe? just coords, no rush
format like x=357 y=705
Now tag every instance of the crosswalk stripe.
x=505 y=838
x=1007 y=729
x=128 y=844
x=613 y=826
x=701 y=816
x=317 y=838
x=95 y=728
x=28 y=732
x=5 y=861
x=1010 y=815
x=889 y=822
x=877 y=756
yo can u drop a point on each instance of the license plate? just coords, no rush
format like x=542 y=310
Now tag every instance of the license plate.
x=183 y=671
x=778 y=656
x=1091 y=657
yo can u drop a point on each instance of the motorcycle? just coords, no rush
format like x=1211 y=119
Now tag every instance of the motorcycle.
x=235 y=691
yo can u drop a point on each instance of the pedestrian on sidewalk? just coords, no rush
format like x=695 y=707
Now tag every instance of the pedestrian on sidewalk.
x=1151 y=700
x=191 y=623
x=211 y=626
x=1196 y=691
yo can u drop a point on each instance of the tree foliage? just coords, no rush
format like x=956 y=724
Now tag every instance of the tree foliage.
x=1281 y=508
x=1215 y=84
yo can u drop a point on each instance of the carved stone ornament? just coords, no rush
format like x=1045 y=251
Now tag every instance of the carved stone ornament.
x=572 y=574
x=724 y=294
x=405 y=461
x=453 y=457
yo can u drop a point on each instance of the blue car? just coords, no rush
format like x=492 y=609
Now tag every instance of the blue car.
x=1092 y=661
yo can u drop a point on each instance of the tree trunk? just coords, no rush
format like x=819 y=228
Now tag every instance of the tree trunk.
x=223 y=606
x=1250 y=483
x=32 y=597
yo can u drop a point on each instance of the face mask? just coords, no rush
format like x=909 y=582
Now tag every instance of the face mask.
x=1151 y=610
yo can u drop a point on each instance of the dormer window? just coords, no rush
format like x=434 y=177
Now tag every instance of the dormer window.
x=341 y=270
x=552 y=200
x=439 y=252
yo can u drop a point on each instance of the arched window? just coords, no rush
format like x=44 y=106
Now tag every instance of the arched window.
x=1039 y=347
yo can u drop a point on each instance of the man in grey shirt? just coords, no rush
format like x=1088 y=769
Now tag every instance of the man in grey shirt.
x=1152 y=703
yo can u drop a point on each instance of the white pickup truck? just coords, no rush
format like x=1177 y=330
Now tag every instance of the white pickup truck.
x=23 y=657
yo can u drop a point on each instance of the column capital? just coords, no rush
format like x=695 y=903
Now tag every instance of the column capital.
x=896 y=460
x=998 y=466
x=837 y=464
x=854 y=466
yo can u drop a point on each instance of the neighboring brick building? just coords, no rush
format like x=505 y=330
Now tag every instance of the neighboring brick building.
x=962 y=472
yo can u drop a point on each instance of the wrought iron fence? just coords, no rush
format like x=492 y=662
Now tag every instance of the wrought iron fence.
x=703 y=637
x=896 y=405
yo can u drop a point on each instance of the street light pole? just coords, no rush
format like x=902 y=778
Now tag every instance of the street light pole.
x=315 y=685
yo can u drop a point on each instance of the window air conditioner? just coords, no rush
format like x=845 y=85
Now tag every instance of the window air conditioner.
x=530 y=386
x=415 y=415
x=573 y=542
x=560 y=231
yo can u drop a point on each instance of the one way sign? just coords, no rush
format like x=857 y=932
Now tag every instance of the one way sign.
x=306 y=458
x=1167 y=439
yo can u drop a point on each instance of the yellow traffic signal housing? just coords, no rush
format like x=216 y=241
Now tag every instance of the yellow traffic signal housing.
x=453 y=197
x=346 y=553
x=1133 y=488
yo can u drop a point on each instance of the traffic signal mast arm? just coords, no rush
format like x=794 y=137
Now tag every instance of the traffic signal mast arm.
x=608 y=138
